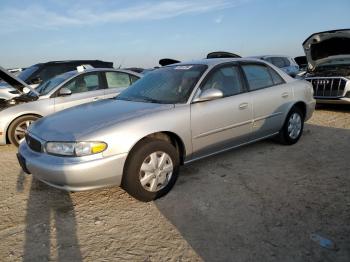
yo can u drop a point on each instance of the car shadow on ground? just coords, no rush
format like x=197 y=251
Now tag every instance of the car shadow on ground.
x=262 y=202
x=50 y=224
x=344 y=108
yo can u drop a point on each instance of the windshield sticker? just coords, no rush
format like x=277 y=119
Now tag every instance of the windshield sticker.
x=183 y=67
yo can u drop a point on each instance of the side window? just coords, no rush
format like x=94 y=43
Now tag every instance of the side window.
x=268 y=59
x=117 y=79
x=285 y=61
x=278 y=61
x=258 y=76
x=84 y=83
x=277 y=79
x=133 y=79
x=227 y=79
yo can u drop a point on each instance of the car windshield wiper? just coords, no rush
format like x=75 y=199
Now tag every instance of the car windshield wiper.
x=152 y=100
x=140 y=99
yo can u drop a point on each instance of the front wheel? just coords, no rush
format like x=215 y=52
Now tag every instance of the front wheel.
x=151 y=169
x=18 y=128
x=292 y=128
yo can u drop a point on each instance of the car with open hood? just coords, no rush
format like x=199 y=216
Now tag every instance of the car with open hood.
x=58 y=93
x=328 y=57
x=41 y=72
x=171 y=116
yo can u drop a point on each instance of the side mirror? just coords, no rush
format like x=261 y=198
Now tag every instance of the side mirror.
x=64 y=92
x=209 y=94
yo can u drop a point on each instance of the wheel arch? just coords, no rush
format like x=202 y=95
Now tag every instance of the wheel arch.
x=170 y=137
x=13 y=120
x=300 y=105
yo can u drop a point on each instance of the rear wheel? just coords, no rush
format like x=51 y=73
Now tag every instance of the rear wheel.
x=151 y=169
x=18 y=127
x=292 y=128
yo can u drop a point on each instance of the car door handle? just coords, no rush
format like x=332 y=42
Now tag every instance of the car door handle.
x=243 y=106
x=96 y=98
x=285 y=95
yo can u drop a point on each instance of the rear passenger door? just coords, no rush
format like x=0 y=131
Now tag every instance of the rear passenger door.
x=117 y=82
x=270 y=97
x=85 y=88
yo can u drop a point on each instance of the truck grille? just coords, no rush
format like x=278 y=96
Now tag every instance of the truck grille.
x=328 y=87
x=33 y=144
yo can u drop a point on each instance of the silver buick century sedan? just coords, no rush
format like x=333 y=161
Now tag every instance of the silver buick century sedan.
x=172 y=116
x=61 y=92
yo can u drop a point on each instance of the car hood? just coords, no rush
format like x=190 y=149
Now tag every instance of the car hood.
x=14 y=81
x=74 y=123
x=323 y=47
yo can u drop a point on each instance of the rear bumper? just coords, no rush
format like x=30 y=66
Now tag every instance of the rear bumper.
x=310 y=109
x=73 y=174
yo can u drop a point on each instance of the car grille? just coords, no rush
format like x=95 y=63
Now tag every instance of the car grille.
x=33 y=144
x=328 y=87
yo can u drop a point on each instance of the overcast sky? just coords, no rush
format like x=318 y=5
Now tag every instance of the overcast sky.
x=139 y=33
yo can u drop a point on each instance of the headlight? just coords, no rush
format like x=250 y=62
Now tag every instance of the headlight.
x=75 y=148
x=12 y=102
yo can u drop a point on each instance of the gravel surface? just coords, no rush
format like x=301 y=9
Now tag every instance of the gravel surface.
x=261 y=202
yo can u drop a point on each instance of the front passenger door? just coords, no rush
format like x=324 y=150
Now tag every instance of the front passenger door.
x=85 y=88
x=225 y=122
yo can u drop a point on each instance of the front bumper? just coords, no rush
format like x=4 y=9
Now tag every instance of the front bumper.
x=2 y=133
x=342 y=100
x=73 y=174
x=2 y=137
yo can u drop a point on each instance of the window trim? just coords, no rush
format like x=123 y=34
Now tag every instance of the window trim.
x=243 y=63
x=213 y=70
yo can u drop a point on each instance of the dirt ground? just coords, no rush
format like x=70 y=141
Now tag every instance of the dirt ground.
x=261 y=202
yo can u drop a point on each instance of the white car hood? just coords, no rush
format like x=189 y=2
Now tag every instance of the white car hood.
x=328 y=46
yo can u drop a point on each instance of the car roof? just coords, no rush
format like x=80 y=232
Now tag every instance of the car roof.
x=216 y=61
x=88 y=70
x=261 y=56
x=72 y=62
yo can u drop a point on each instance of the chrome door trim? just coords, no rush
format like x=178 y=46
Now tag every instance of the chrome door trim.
x=222 y=129
x=268 y=116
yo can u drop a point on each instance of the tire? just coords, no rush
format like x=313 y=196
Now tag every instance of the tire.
x=143 y=163
x=18 y=127
x=285 y=135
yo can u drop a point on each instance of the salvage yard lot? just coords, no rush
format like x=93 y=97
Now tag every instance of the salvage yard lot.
x=257 y=203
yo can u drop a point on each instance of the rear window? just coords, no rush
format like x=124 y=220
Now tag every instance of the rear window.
x=258 y=76
x=117 y=79
x=277 y=79
x=278 y=61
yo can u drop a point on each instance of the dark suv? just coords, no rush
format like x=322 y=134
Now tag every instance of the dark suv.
x=38 y=73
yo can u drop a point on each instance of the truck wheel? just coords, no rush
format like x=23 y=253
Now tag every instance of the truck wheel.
x=151 y=169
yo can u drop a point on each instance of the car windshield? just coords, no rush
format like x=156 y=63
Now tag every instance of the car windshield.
x=47 y=86
x=166 y=85
x=25 y=74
